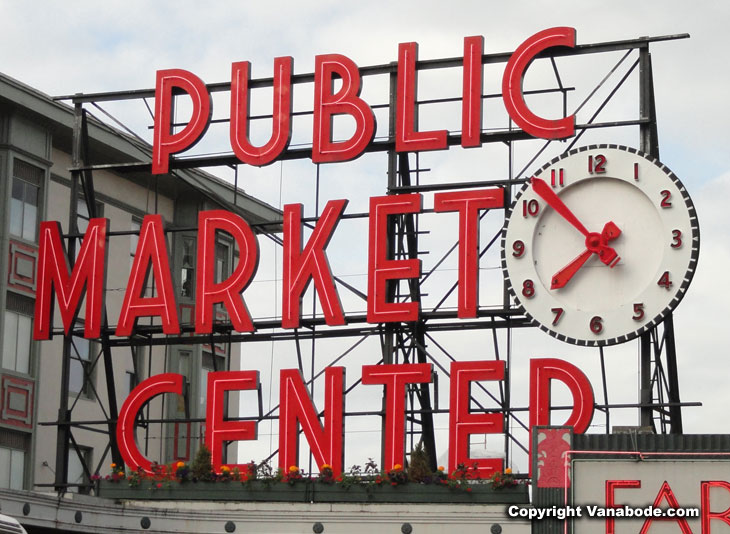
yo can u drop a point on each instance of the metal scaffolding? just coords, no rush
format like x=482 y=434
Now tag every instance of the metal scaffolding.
x=416 y=342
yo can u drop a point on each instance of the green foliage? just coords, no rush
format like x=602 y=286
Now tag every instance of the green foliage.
x=202 y=468
x=418 y=468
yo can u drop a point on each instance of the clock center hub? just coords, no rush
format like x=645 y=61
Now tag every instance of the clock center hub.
x=593 y=242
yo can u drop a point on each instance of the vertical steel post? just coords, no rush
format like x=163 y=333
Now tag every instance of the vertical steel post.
x=90 y=195
x=649 y=140
x=648 y=144
x=64 y=414
x=675 y=410
x=388 y=330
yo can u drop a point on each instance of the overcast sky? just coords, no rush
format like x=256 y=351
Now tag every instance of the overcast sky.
x=85 y=46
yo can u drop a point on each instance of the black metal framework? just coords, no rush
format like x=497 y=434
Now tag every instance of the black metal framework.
x=399 y=343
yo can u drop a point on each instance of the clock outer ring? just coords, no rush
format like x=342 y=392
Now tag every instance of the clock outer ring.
x=687 y=276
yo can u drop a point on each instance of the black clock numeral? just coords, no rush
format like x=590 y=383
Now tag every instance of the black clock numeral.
x=559 y=179
x=664 y=281
x=528 y=289
x=597 y=165
x=530 y=208
x=558 y=314
x=638 y=311
x=636 y=172
x=596 y=324
x=666 y=198
x=518 y=249
x=676 y=239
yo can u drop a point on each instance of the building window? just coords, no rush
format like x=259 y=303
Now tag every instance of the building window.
x=188 y=267
x=80 y=371
x=78 y=481
x=210 y=363
x=17 y=334
x=13 y=456
x=17 y=342
x=134 y=239
x=134 y=375
x=222 y=251
x=82 y=214
x=12 y=468
x=24 y=201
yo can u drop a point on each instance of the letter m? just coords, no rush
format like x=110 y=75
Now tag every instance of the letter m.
x=55 y=278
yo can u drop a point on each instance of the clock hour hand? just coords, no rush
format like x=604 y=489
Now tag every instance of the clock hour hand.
x=564 y=275
x=596 y=244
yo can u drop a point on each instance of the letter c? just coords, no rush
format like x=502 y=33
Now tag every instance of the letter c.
x=142 y=394
x=514 y=72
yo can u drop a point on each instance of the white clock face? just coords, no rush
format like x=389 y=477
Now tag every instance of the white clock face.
x=600 y=245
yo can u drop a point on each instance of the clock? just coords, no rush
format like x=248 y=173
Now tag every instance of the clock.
x=600 y=245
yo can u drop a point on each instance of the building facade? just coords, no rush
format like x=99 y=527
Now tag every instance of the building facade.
x=36 y=184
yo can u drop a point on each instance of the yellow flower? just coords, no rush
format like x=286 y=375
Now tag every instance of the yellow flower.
x=113 y=466
x=225 y=468
x=441 y=468
x=508 y=471
x=293 y=469
x=397 y=467
x=325 y=466
x=180 y=464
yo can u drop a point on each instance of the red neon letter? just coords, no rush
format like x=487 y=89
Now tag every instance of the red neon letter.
x=217 y=429
x=302 y=266
x=53 y=272
x=381 y=269
x=463 y=423
x=468 y=204
x=407 y=138
x=207 y=292
x=471 y=101
x=707 y=515
x=295 y=405
x=395 y=377
x=611 y=487
x=281 y=123
x=345 y=101
x=142 y=394
x=666 y=493
x=542 y=372
x=512 y=85
x=151 y=251
x=164 y=141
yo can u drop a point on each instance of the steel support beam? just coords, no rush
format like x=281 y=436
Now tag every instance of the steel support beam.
x=651 y=367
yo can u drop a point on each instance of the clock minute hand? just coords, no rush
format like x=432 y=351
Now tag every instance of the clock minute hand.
x=548 y=195
x=595 y=242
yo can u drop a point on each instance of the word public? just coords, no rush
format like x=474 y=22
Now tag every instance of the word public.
x=346 y=101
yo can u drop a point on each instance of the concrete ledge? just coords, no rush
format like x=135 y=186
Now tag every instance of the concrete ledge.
x=62 y=514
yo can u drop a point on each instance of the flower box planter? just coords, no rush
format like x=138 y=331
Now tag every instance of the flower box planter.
x=420 y=493
x=310 y=491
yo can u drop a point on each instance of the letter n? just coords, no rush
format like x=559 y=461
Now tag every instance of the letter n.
x=296 y=406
